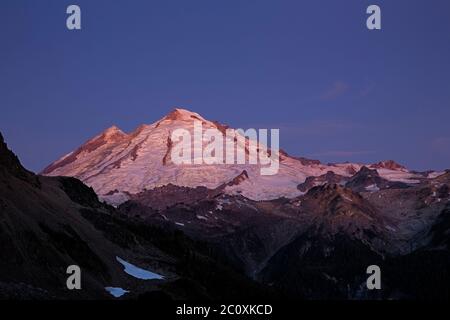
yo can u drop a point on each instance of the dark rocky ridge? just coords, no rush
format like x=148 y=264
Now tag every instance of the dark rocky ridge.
x=366 y=178
x=329 y=177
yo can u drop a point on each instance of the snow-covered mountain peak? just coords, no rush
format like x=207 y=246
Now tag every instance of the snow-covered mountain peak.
x=113 y=131
x=118 y=165
x=179 y=114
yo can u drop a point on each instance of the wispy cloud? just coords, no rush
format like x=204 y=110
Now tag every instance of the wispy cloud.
x=366 y=90
x=336 y=90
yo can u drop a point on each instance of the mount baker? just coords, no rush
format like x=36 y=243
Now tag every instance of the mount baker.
x=116 y=165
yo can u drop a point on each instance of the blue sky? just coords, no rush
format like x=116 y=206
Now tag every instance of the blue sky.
x=337 y=91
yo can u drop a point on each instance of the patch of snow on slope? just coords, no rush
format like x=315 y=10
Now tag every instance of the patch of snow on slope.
x=137 y=272
x=435 y=174
x=116 y=291
x=400 y=176
x=373 y=188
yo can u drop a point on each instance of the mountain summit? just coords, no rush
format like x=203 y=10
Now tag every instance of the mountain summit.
x=118 y=165
x=182 y=115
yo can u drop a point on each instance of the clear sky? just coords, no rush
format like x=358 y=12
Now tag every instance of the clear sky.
x=337 y=91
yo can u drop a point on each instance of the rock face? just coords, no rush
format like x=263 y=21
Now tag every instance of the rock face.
x=343 y=210
x=389 y=164
x=330 y=177
x=370 y=180
x=118 y=164
x=10 y=164
x=170 y=195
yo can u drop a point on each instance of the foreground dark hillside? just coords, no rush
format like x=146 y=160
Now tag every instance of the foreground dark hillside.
x=47 y=224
